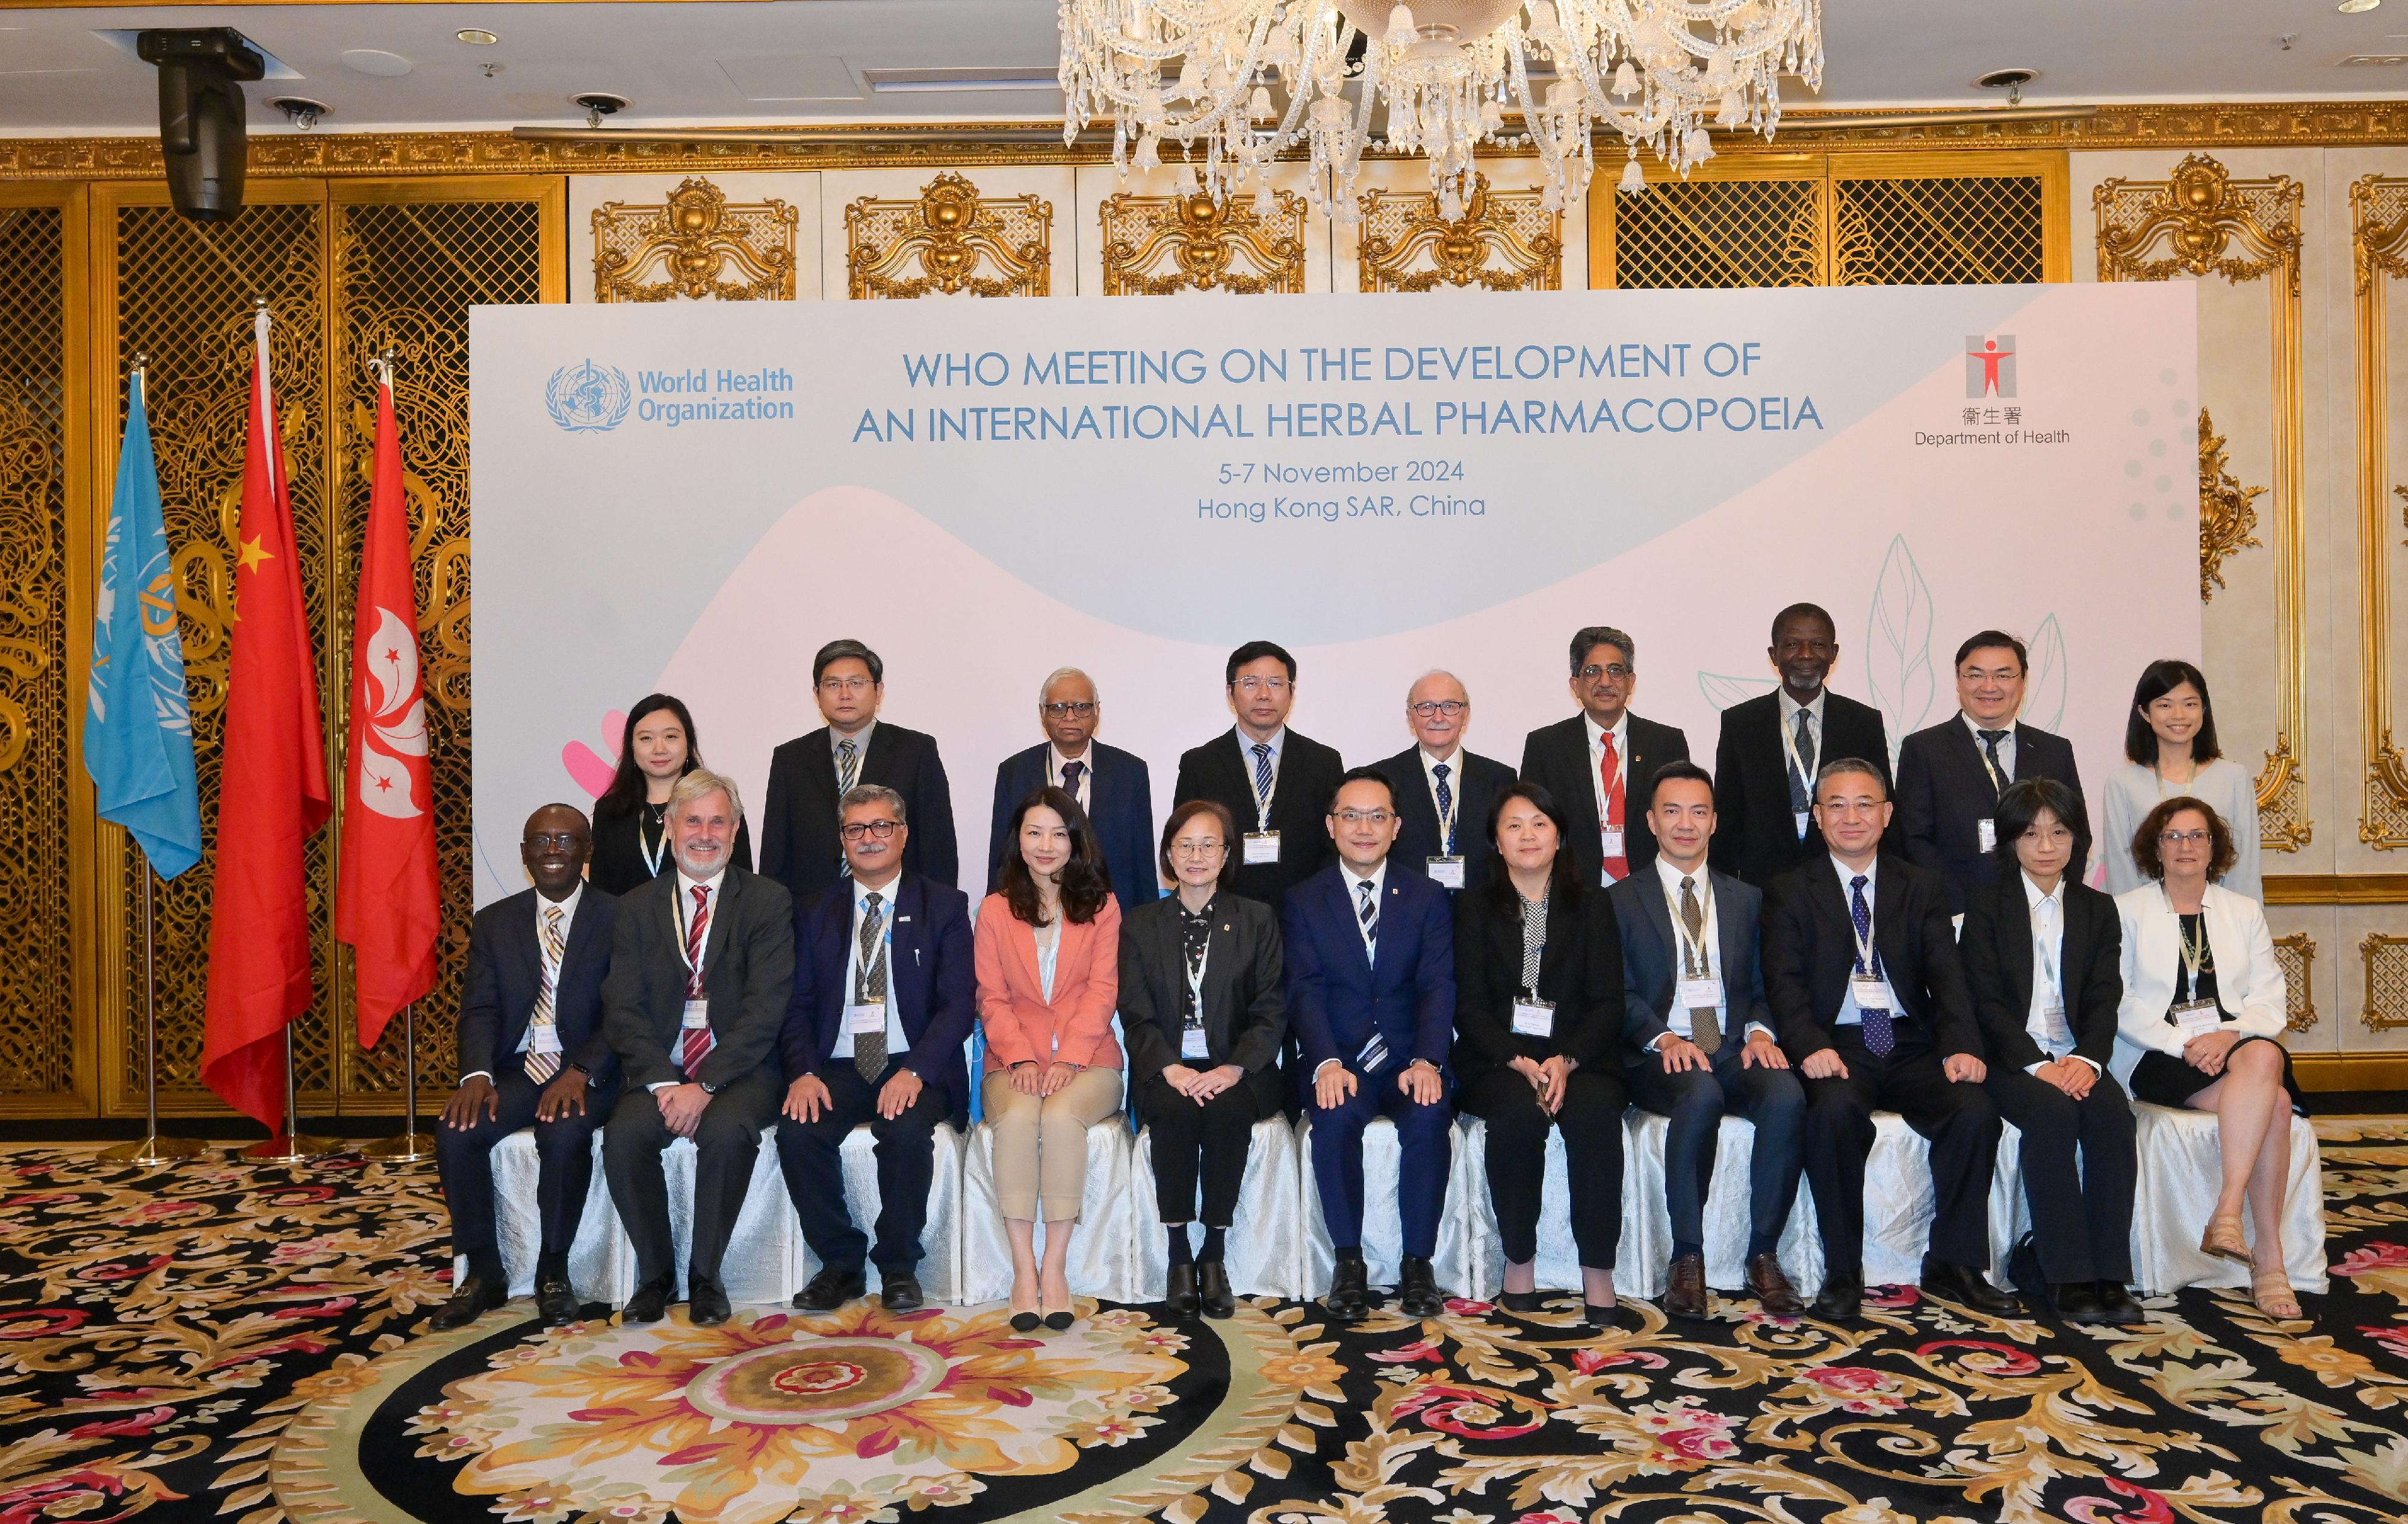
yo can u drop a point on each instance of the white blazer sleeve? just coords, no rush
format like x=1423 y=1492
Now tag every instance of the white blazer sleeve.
x=2148 y=974
x=2258 y=999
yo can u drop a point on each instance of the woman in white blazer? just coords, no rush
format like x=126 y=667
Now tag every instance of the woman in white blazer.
x=2201 y=1022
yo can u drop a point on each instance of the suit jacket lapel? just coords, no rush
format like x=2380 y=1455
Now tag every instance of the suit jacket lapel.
x=1582 y=804
x=1659 y=916
x=580 y=938
x=1729 y=947
x=2015 y=920
x=1417 y=806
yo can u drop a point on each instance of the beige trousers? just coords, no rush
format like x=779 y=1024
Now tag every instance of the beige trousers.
x=1041 y=1145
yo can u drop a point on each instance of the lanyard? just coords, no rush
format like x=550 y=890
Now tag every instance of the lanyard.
x=886 y=949
x=1195 y=977
x=653 y=856
x=1789 y=749
x=1445 y=816
x=1868 y=956
x=1693 y=951
x=1262 y=797
x=2045 y=949
x=2193 y=954
x=694 y=984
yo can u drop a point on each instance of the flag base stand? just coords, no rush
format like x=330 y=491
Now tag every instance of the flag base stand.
x=152 y=1150
x=407 y=1148
x=155 y=1150
x=412 y=1146
x=289 y=1146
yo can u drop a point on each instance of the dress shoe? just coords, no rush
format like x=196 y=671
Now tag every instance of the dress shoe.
x=650 y=1302
x=1601 y=1318
x=706 y=1300
x=831 y=1288
x=1348 y=1298
x=1769 y=1284
x=556 y=1300
x=1842 y=1299
x=1684 y=1287
x=1180 y=1296
x=900 y=1292
x=2077 y=1302
x=1417 y=1292
x=1025 y=1322
x=1967 y=1287
x=1521 y=1303
x=2116 y=1305
x=471 y=1299
x=1213 y=1290
x=2223 y=1239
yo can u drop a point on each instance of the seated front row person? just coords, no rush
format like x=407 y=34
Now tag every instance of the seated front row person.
x=2041 y=953
x=2201 y=1024
x=1538 y=969
x=531 y=1054
x=1204 y=1008
x=884 y=998
x=1370 y=992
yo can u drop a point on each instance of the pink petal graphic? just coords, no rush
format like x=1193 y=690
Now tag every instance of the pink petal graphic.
x=592 y=773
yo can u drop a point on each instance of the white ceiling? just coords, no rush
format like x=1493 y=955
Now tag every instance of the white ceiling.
x=687 y=63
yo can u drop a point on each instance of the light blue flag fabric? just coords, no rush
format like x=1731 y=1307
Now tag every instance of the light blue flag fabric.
x=137 y=733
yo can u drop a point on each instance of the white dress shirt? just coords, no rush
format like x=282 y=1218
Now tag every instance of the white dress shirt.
x=860 y=740
x=896 y=1041
x=567 y=908
x=1354 y=881
x=1982 y=749
x=1055 y=760
x=1597 y=733
x=2048 y=973
x=1677 y=1018
x=1450 y=820
x=1850 y=1014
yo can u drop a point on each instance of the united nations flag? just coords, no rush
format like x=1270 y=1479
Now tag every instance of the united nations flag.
x=587 y=398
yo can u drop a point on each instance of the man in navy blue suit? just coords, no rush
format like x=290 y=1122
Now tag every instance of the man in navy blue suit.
x=1371 y=991
x=532 y=1053
x=1110 y=785
x=884 y=998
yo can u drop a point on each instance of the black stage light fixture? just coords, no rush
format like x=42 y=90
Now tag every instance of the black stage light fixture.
x=201 y=73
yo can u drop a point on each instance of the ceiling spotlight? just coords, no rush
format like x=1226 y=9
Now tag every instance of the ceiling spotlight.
x=2010 y=81
x=477 y=36
x=2353 y=7
x=300 y=110
x=598 y=104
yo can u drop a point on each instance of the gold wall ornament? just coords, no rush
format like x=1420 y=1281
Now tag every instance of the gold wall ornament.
x=1505 y=241
x=1154 y=245
x=2387 y=981
x=2297 y=955
x=2378 y=210
x=2201 y=221
x=2226 y=518
x=949 y=233
x=685 y=246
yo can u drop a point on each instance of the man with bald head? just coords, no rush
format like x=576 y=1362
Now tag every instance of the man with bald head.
x=1110 y=785
x=1443 y=792
x=531 y=1054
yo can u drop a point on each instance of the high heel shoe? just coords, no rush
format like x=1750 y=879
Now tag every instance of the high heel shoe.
x=2224 y=1240
x=1026 y=1322
x=2271 y=1291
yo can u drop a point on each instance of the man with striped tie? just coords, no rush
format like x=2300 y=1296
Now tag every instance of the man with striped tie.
x=810 y=775
x=701 y=972
x=531 y=1054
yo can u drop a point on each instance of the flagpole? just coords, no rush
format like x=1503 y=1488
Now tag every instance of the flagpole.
x=291 y=1145
x=411 y=1146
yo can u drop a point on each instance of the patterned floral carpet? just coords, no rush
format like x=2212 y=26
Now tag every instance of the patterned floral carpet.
x=223 y=1341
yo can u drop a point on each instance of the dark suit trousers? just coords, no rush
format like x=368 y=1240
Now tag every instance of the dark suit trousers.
x=1425 y=1135
x=1215 y=1135
x=1696 y=1100
x=1959 y=1120
x=564 y=1151
x=907 y=1163
x=2082 y=1217
x=1591 y=1117
x=726 y=1142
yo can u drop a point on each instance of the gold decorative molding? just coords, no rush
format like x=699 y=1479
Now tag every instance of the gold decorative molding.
x=1408 y=246
x=2387 y=981
x=1154 y=245
x=2337 y=888
x=2201 y=221
x=2226 y=517
x=950 y=233
x=652 y=253
x=2378 y=214
x=2328 y=1071
x=2296 y=954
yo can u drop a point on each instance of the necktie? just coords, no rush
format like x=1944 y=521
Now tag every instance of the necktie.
x=1802 y=793
x=869 y=1048
x=1609 y=774
x=848 y=769
x=1881 y=1034
x=1990 y=739
x=695 y=1042
x=1368 y=913
x=1262 y=779
x=1070 y=771
x=542 y=1065
x=1705 y=1025
x=1445 y=808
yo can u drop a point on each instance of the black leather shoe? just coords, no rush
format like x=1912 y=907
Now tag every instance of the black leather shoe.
x=900 y=1292
x=1601 y=1318
x=2116 y=1305
x=706 y=1300
x=1417 y=1292
x=2077 y=1302
x=556 y=1300
x=1348 y=1297
x=1967 y=1287
x=1522 y=1302
x=1213 y=1290
x=831 y=1288
x=650 y=1302
x=1180 y=1296
x=472 y=1300
x=1842 y=1299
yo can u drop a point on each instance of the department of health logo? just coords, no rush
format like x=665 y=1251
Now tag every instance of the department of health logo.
x=1989 y=366
x=587 y=398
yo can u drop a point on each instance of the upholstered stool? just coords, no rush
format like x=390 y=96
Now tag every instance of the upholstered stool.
x=1266 y=1242
x=1382 y=1230
x=1100 y=1252
x=2181 y=1164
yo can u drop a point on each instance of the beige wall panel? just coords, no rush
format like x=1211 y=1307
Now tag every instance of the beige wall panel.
x=1345 y=267
x=2327 y=980
x=1054 y=185
x=1098 y=183
x=2387 y=959
x=799 y=189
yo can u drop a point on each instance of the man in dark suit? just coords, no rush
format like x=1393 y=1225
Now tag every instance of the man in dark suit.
x=1370 y=996
x=1950 y=776
x=1600 y=760
x=809 y=774
x=1771 y=746
x=1861 y=970
x=1110 y=785
x=1701 y=1043
x=884 y=998
x=702 y=969
x=531 y=1054
x=1276 y=783
x=1443 y=792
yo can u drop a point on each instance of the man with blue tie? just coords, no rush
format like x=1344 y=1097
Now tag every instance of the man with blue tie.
x=1370 y=965
x=1110 y=785
x=884 y=998
x=1443 y=792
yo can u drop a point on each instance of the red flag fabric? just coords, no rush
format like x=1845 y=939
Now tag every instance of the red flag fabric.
x=272 y=790
x=387 y=903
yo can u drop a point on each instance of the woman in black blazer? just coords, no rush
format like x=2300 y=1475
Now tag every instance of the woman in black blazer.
x=2041 y=954
x=1537 y=974
x=1204 y=1008
x=631 y=845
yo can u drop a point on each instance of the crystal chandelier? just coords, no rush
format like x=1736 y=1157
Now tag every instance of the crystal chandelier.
x=1655 y=71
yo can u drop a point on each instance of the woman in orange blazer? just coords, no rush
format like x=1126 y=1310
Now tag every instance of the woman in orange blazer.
x=1047 y=981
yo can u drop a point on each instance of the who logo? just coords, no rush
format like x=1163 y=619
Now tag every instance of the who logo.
x=587 y=398
x=1989 y=366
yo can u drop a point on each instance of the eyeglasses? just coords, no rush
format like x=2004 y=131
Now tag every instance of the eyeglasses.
x=1210 y=846
x=882 y=829
x=2181 y=839
x=1261 y=685
x=565 y=841
x=1359 y=817
x=846 y=685
x=1430 y=709
x=1614 y=669
x=1078 y=710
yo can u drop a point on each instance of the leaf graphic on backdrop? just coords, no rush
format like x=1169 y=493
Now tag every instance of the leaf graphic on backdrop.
x=2044 y=695
x=1898 y=644
x=1723 y=691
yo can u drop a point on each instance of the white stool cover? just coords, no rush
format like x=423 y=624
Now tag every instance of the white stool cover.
x=1266 y=1242
x=941 y=1239
x=1383 y=1227
x=1100 y=1250
x=517 y=1227
x=2181 y=1166
x=1898 y=1205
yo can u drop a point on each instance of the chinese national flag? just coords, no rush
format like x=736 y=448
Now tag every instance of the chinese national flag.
x=272 y=790
x=386 y=906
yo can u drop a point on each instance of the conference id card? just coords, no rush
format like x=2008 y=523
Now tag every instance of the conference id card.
x=543 y=1037
x=1374 y=1054
x=1535 y=1018
x=2197 y=1016
x=1988 y=830
x=1700 y=994
x=1869 y=994
x=1446 y=872
x=1261 y=847
x=1800 y=817
x=698 y=1014
x=1613 y=837
x=869 y=1016
x=1194 y=1043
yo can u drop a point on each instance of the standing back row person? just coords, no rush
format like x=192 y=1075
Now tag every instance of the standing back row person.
x=657 y=746
x=1112 y=785
x=810 y=775
x=1772 y=747
x=1599 y=761
x=1443 y=791
x=2170 y=752
x=1275 y=782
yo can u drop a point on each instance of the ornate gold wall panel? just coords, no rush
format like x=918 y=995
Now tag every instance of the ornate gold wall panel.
x=1505 y=241
x=2227 y=520
x=2296 y=954
x=1154 y=245
x=1712 y=233
x=685 y=246
x=2387 y=981
x=2204 y=223
x=939 y=244
x=2378 y=213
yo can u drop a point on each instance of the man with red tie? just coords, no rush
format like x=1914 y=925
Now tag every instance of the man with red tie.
x=702 y=968
x=1602 y=759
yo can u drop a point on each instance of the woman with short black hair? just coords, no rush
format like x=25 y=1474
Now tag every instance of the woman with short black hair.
x=2170 y=751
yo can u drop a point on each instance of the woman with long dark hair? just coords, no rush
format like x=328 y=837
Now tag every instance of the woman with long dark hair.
x=631 y=835
x=2170 y=752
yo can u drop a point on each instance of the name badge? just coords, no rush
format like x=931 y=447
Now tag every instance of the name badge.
x=1446 y=872
x=1261 y=847
x=1613 y=836
x=1988 y=832
x=2197 y=1016
x=868 y=1017
x=1800 y=817
x=1194 y=1043
x=697 y=1014
x=543 y=1037
x=1869 y=994
x=1535 y=1018
x=1700 y=994
x=1374 y=1054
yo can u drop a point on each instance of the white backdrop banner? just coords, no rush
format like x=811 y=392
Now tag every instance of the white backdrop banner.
x=692 y=499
